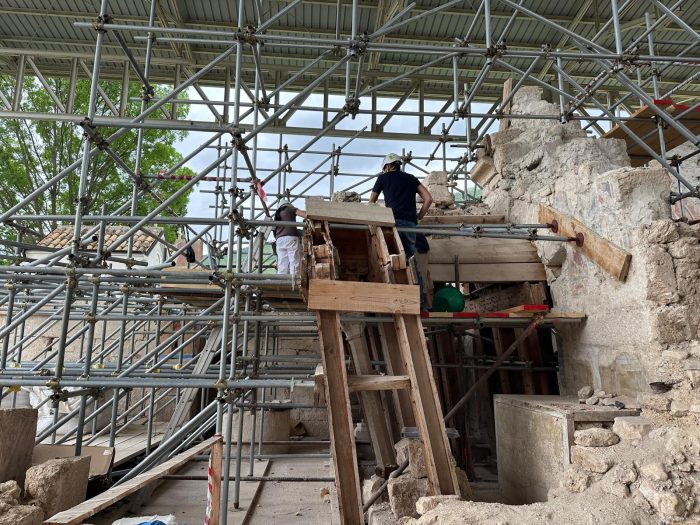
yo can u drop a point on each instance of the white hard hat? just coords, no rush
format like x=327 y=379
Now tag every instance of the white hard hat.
x=390 y=159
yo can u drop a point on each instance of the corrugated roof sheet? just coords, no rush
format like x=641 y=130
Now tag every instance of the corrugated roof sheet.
x=46 y=25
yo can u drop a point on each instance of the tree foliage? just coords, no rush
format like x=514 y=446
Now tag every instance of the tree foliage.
x=34 y=151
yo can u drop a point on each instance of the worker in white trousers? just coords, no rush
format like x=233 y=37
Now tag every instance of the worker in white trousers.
x=287 y=239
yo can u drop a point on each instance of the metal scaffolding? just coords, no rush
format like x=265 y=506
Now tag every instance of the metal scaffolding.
x=126 y=339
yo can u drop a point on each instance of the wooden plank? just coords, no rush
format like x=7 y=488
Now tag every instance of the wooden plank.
x=472 y=250
x=602 y=252
x=442 y=477
x=500 y=346
x=216 y=457
x=490 y=273
x=92 y=506
x=375 y=382
x=646 y=124
x=370 y=400
x=347 y=479
x=353 y=296
x=349 y=212
x=319 y=386
x=527 y=308
x=463 y=219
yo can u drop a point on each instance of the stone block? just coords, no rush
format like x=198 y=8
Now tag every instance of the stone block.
x=595 y=459
x=370 y=486
x=596 y=437
x=10 y=490
x=404 y=491
x=412 y=449
x=58 y=484
x=438 y=186
x=428 y=503
x=585 y=392
x=22 y=515
x=575 y=480
x=17 y=431
x=666 y=503
x=655 y=471
x=632 y=427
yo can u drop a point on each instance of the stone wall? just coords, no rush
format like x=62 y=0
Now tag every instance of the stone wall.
x=633 y=327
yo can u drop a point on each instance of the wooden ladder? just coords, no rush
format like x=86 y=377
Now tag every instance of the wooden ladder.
x=365 y=271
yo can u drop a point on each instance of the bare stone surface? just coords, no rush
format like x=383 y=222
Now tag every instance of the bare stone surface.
x=17 y=431
x=22 y=515
x=632 y=427
x=595 y=459
x=58 y=484
x=404 y=491
x=412 y=449
x=380 y=514
x=656 y=402
x=427 y=503
x=596 y=437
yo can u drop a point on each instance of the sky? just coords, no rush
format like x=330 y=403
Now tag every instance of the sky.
x=349 y=167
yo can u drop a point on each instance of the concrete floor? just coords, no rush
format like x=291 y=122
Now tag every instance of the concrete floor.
x=295 y=502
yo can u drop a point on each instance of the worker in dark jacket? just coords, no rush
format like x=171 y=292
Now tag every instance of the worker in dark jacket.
x=400 y=190
x=287 y=239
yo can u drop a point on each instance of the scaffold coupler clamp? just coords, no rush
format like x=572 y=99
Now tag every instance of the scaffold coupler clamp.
x=100 y=22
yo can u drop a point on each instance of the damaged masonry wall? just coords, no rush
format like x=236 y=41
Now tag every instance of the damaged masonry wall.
x=638 y=331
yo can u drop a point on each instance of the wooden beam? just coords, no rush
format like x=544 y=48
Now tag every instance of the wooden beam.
x=602 y=252
x=489 y=273
x=349 y=212
x=504 y=124
x=442 y=477
x=353 y=296
x=88 y=508
x=375 y=382
x=347 y=478
x=371 y=401
x=396 y=366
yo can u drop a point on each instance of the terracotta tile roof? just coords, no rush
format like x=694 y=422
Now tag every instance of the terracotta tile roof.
x=62 y=236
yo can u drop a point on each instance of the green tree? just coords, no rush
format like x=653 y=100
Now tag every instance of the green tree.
x=34 y=151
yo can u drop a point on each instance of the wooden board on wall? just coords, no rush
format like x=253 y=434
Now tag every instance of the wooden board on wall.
x=602 y=252
x=349 y=212
x=353 y=296
x=472 y=250
x=489 y=273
